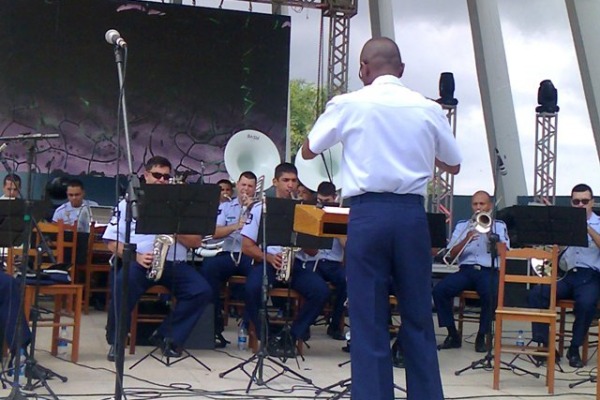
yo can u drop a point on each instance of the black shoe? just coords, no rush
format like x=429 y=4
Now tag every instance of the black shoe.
x=480 y=346
x=335 y=333
x=220 y=341
x=111 y=354
x=282 y=346
x=168 y=349
x=397 y=356
x=574 y=358
x=346 y=348
x=451 y=342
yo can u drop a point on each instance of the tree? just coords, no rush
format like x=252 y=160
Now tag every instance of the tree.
x=305 y=106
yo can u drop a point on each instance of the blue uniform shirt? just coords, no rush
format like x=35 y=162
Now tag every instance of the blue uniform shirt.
x=229 y=214
x=476 y=251
x=585 y=257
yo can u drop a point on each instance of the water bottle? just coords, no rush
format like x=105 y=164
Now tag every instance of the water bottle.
x=520 y=339
x=63 y=344
x=242 y=337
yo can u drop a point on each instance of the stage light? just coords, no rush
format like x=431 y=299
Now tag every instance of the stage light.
x=447 y=89
x=547 y=98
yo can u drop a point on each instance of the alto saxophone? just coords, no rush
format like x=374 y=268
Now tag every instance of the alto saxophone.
x=288 y=255
x=161 y=246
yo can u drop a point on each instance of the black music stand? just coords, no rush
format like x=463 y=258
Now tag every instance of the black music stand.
x=177 y=209
x=276 y=227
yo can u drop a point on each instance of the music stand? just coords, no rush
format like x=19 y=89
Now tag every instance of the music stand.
x=177 y=209
x=277 y=230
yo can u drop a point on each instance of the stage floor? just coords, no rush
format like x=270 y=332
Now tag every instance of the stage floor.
x=93 y=377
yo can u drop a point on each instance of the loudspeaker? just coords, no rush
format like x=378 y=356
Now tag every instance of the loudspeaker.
x=203 y=334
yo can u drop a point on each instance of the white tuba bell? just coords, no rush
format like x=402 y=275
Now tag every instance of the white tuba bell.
x=250 y=150
x=312 y=172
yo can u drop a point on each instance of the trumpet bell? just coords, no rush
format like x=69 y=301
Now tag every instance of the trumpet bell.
x=482 y=222
x=250 y=150
x=312 y=172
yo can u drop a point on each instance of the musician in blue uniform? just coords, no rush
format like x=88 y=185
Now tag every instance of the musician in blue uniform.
x=190 y=289
x=329 y=266
x=230 y=261
x=10 y=311
x=311 y=286
x=392 y=138
x=77 y=208
x=581 y=283
x=471 y=249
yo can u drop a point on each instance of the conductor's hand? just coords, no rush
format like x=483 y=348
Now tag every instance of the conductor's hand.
x=275 y=260
x=144 y=259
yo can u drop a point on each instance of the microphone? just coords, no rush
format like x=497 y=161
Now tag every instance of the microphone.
x=112 y=36
x=500 y=164
x=3 y=147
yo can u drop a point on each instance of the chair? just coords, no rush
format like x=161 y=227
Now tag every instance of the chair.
x=228 y=301
x=529 y=315
x=67 y=297
x=137 y=317
x=462 y=317
x=97 y=262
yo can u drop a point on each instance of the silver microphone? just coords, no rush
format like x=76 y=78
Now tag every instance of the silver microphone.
x=112 y=36
x=3 y=147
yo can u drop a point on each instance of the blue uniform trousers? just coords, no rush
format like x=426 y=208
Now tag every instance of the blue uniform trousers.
x=334 y=273
x=189 y=288
x=581 y=285
x=467 y=278
x=310 y=285
x=219 y=269
x=10 y=307
x=388 y=236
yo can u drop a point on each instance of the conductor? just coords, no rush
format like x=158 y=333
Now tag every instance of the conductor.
x=392 y=137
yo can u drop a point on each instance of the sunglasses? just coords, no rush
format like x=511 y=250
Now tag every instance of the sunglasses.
x=576 y=202
x=158 y=175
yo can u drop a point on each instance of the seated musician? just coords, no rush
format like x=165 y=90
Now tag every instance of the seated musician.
x=10 y=312
x=474 y=261
x=305 y=193
x=226 y=190
x=310 y=285
x=11 y=187
x=77 y=208
x=581 y=283
x=230 y=261
x=190 y=289
x=329 y=266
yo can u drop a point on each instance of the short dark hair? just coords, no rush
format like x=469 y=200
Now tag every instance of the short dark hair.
x=225 y=181
x=248 y=175
x=581 y=187
x=326 y=188
x=285 y=168
x=159 y=161
x=16 y=179
x=75 y=183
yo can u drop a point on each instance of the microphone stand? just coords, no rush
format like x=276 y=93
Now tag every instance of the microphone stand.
x=493 y=238
x=129 y=249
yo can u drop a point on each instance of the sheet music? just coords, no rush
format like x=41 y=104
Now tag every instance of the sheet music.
x=337 y=210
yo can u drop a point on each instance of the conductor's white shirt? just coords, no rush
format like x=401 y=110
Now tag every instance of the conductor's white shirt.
x=391 y=136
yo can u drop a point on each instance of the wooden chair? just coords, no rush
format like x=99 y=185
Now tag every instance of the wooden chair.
x=62 y=239
x=137 y=317
x=97 y=262
x=228 y=302
x=529 y=315
x=461 y=317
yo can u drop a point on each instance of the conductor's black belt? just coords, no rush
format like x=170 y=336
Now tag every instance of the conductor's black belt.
x=475 y=267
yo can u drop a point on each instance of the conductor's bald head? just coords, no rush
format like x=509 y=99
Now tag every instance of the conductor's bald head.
x=380 y=56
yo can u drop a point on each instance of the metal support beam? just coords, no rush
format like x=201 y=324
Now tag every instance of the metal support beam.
x=544 y=185
x=339 y=13
x=584 y=16
x=496 y=99
x=382 y=18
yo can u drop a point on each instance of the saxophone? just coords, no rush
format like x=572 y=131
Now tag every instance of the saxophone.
x=161 y=246
x=288 y=255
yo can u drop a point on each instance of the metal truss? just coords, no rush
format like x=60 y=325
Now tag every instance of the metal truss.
x=442 y=187
x=544 y=184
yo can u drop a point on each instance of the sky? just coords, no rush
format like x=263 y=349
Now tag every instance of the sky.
x=434 y=36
